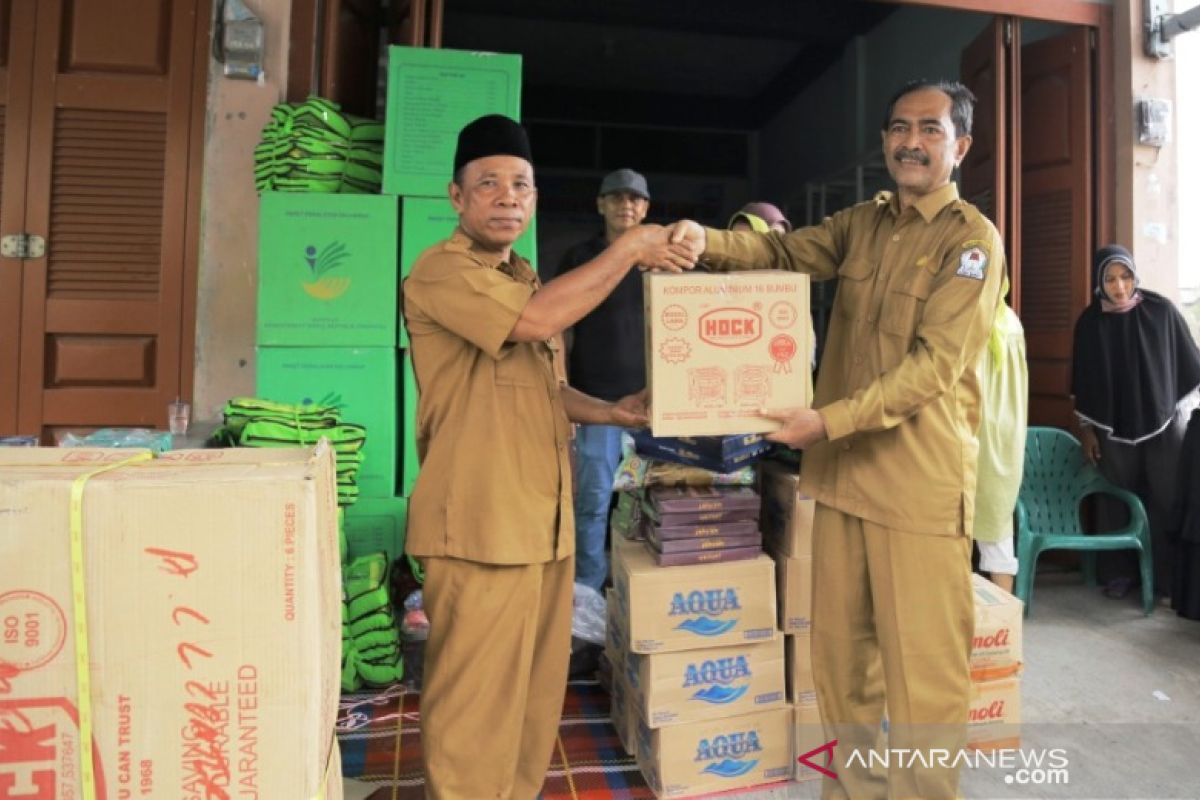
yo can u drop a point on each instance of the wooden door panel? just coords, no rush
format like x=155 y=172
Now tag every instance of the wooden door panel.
x=1056 y=213
x=16 y=54
x=107 y=188
x=983 y=70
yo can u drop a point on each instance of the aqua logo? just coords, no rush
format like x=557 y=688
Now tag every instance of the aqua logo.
x=320 y=263
x=705 y=604
x=715 y=676
x=729 y=755
x=709 y=601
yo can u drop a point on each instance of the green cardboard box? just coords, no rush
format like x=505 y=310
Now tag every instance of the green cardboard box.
x=361 y=381
x=327 y=270
x=374 y=524
x=425 y=221
x=409 y=466
x=431 y=95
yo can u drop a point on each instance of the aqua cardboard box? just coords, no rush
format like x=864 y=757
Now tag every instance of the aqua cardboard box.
x=361 y=382
x=714 y=682
x=375 y=524
x=801 y=683
x=717 y=755
x=327 y=270
x=666 y=609
x=794 y=577
x=425 y=221
x=431 y=95
x=809 y=742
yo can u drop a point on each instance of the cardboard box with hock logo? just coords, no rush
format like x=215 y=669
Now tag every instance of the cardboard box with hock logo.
x=175 y=619
x=721 y=347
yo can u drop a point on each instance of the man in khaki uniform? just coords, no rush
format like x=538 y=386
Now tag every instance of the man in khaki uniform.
x=490 y=515
x=890 y=444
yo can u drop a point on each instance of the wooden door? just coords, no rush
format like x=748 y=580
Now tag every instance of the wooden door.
x=16 y=54
x=1056 y=212
x=990 y=177
x=107 y=187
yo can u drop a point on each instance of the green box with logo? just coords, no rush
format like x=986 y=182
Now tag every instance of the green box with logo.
x=327 y=271
x=376 y=523
x=361 y=381
x=431 y=95
x=425 y=221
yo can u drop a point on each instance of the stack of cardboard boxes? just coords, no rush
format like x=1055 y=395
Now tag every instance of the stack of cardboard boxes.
x=698 y=672
x=331 y=266
x=787 y=520
x=994 y=717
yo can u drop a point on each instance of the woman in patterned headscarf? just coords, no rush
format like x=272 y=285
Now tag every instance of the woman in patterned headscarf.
x=1135 y=372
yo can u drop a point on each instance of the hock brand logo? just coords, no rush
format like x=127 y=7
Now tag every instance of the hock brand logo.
x=730 y=327
x=39 y=740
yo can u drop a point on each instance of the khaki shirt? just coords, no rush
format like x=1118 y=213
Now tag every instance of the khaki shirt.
x=492 y=434
x=897 y=386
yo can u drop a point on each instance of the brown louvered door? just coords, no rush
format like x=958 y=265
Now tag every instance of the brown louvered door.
x=1056 y=213
x=16 y=53
x=107 y=186
x=989 y=175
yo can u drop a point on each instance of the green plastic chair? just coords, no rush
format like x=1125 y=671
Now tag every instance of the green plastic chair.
x=1057 y=478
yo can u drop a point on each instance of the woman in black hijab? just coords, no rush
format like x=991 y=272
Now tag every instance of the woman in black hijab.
x=1135 y=373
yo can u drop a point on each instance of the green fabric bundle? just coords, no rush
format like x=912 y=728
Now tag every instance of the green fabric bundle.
x=254 y=422
x=370 y=639
x=314 y=147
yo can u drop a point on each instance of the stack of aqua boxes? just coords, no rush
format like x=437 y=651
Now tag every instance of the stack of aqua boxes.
x=431 y=95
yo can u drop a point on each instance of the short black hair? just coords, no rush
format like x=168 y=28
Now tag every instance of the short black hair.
x=962 y=102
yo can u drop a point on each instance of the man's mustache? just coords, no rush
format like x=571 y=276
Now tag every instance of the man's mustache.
x=916 y=155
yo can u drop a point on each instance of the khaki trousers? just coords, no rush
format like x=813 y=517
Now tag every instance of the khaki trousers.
x=495 y=676
x=893 y=615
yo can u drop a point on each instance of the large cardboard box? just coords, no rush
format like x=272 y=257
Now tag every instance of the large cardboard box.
x=714 y=682
x=211 y=583
x=376 y=523
x=994 y=715
x=808 y=739
x=431 y=95
x=795 y=577
x=787 y=516
x=327 y=270
x=721 y=347
x=717 y=755
x=801 y=684
x=359 y=381
x=996 y=645
x=665 y=609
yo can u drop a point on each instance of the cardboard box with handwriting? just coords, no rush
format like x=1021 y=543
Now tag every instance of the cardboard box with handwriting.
x=211 y=585
x=721 y=347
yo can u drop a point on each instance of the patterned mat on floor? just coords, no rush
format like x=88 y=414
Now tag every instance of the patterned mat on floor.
x=595 y=768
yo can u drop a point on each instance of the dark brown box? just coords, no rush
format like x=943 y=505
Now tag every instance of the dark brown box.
x=705 y=556
x=752 y=539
